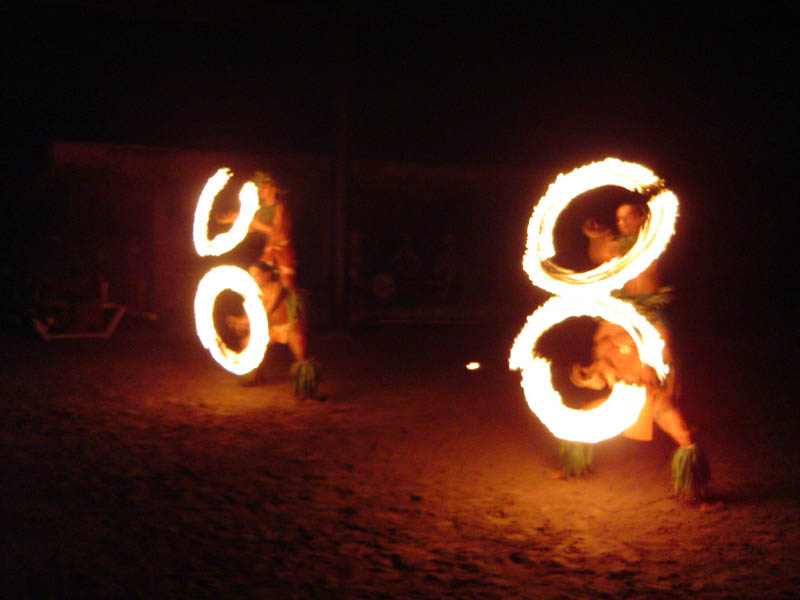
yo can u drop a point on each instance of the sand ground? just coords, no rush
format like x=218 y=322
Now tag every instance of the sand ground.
x=138 y=468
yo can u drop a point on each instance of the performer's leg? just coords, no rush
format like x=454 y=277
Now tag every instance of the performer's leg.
x=304 y=371
x=297 y=343
x=239 y=325
x=285 y=263
x=667 y=416
x=690 y=470
x=672 y=423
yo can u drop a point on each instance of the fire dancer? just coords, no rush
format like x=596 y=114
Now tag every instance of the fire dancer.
x=615 y=358
x=274 y=272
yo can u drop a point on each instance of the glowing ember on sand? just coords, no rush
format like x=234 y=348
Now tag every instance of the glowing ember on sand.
x=240 y=281
x=587 y=294
x=224 y=242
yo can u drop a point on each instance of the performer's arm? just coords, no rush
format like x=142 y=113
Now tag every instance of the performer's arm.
x=226 y=218
x=592 y=229
x=279 y=235
x=278 y=230
x=260 y=226
x=276 y=301
x=602 y=245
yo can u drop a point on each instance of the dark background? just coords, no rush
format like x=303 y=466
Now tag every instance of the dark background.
x=137 y=467
x=703 y=98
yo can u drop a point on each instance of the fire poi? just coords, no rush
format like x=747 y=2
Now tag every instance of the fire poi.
x=271 y=304
x=224 y=242
x=238 y=280
x=630 y=354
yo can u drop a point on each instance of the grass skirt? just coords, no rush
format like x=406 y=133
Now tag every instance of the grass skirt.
x=690 y=473
x=306 y=376
x=577 y=458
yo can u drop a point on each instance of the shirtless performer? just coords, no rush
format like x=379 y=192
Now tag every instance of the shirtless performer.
x=615 y=357
x=274 y=272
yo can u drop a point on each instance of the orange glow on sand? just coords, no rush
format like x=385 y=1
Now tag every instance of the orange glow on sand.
x=586 y=294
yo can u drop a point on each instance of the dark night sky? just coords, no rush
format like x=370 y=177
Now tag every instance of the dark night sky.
x=703 y=97
x=432 y=84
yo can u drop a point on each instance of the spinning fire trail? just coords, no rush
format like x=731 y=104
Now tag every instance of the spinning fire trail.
x=588 y=294
x=228 y=277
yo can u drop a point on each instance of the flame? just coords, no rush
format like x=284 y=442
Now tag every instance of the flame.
x=240 y=281
x=473 y=366
x=248 y=198
x=586 y=294
x=652 y=240
x=625 y=402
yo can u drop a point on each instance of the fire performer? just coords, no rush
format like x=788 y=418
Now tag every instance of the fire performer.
x=615 y=358
x=274 y=272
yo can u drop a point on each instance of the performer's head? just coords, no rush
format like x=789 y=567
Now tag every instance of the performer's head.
x=267 y=187
x=630 y=217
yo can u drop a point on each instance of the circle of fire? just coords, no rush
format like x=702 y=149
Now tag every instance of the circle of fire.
x=586 y=294
x=622 y=407
x=611 y=275
x=236 y=279
x=248 y=197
